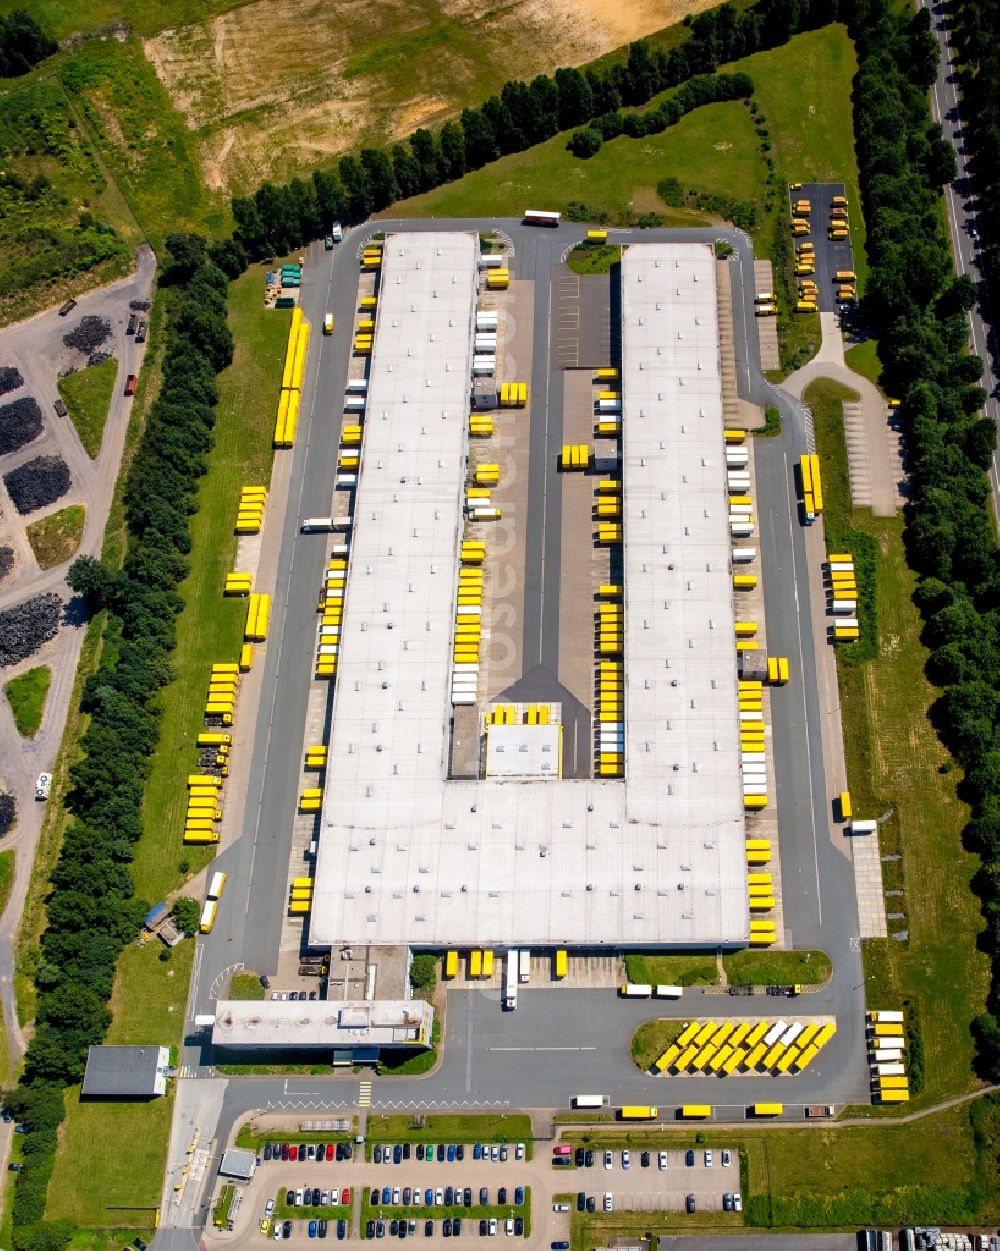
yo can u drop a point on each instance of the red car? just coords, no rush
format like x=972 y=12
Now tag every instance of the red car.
x=345 y=1196
x=329 y=1150
x=293 y=1153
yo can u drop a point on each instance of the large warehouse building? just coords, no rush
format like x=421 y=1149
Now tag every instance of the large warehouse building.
x=407 y=855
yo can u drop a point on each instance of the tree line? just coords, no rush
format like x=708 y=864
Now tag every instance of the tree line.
x=960 y=594
x=277 y=219
x=23 y=44
x=920 y=307
x=91 y=909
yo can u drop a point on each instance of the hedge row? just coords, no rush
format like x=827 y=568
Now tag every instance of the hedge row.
x=91 y=911
x=274 y=220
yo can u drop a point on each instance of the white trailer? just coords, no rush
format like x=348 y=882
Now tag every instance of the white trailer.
x=743 y=555
x=357 y=384
x=510 y=989
x=844 y=607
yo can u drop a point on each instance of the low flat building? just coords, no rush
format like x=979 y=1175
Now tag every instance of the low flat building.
x=368 y=1026
x=238 y=1163
x=126 y=1072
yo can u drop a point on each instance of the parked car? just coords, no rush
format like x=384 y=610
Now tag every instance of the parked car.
x=502 y=1195
x=459 y=1151
x=579 y=1155
x=449 y=1196
x=394 y=1228
x=267 y=1150
x=345 y=1195
x=293 y=1151
x=317 y=1195
x=608 y=1202
x=519 y=1226
x=689 y=1158
x=484 y=1196
x=406 y=1196
x=341 y=1230
x=661 y=1159
x=737 y=1202
x=518 y=1195
x=608 y=1159
x=581 y=1201
x=494 y=1153
x=380 y=1229
x=508 y=1227
x=395 y=1194
x=626 y=1159
x=322 y=1227
x=397 y=1154
x=268 y=1209
x=519 y=1151
x=451 y=1153
x=377 y=1154
x=727 y=1202
x=440 y=1152
x=493 y=1227
x=591 y=1203
x=420 y=1150
x=439 y=1198
x=727 y=1158
x=456 y=1225
x=386 y=1196
x=446 y=1229
x=286 y=1229
x=708 y=1159
x=588 y=1159
x=644 y=1159
x=689 y=1204
x=467 y=1197
x=484 y=1228
x=370 y=1229
x=428 y=1197
x=428 y=1229
x=406 y=1150
x=477 y=1151
x=503 y=1151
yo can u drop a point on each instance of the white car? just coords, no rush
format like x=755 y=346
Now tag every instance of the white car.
x=299 y=1197
x=737 y=1202
x=508 y=1227
x=727 y=1159
x=334 y=1198
x=607 y=1201
x=519 y=1151
x=626 y=1159
x=661 y=1159
x=269 y=1207
x=277 y=1232
x=608 y=1159
x=708 y=1159
x=439 y=1198
x=324 y=1199
x=560 y=1207
x=493 y=1227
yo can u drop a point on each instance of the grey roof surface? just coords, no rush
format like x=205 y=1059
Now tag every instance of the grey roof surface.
x=405 y=855
x=322 y=1023
x=125 y=1072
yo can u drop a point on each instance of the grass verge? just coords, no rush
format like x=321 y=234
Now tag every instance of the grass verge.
x=26 y=695
x=863 y=358
x=6 y=877
x=245 y=986
x=87 y=396
x=898 y=770
x=651 y=1039
x=777 y=968
x=56 y=538
x=594 y=258
x=444 y=1128
x=696 y=970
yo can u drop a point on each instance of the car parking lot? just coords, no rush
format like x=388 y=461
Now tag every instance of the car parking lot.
x=451 y=1190
x=696 y=1179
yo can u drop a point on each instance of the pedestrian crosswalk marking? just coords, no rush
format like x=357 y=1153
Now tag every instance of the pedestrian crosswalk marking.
x=365 y=1095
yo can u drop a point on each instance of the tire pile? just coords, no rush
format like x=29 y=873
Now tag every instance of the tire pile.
x=98 y=358
x=26 y=626
x=37 y=483
x=20 y=422
x=6 y=561
x=8 y=811
x=139 y=306
x=10 y=379
x=88 y=335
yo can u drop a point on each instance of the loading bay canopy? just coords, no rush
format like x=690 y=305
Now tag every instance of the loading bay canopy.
x=407 y=855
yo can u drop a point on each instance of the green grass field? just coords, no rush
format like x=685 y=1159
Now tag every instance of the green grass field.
x=148 y=1004
x=61 y=18
x=896 y=765
x=6 y=877
x=56 y=537
x=26 y=695
x=445 y=1128
x=863 y=358
x=651 y=1039
x=693 y=970
x=592 y=258
x=87 y=395
x=713 y=148
x=245 y=986
x=211 y=627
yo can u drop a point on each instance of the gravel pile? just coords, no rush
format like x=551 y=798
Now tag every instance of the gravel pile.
x=26 y=626
x=88 y=335
x=37 y=483
x=10 y=379
x=20 y=422
x=6 y=561
x=8 y=812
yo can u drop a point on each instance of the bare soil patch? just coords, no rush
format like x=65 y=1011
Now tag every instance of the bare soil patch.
x=278 y=89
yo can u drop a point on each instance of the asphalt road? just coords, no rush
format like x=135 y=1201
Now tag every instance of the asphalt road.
x=962 y=224
x=485 y=1052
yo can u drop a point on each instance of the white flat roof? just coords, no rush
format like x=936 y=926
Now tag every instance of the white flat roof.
x=406 y=855
x=322 y=1023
